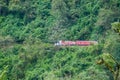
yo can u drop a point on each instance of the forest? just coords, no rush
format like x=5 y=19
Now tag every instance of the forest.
x=29 y=29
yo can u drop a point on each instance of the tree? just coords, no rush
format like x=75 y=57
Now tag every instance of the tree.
x=116 y=27
x=110 y=62
x=59 y=11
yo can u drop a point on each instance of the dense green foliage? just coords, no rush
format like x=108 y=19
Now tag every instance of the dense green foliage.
x=29 y=29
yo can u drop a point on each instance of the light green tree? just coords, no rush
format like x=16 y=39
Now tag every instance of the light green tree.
x=3 y=75
x=110 y=62
x=116 y=27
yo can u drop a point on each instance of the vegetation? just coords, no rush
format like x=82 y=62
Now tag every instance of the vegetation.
x=29 y=29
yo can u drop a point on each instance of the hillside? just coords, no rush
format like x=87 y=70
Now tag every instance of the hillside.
x=29 y=29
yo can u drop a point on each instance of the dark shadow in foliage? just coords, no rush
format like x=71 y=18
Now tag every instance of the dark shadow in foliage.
x=3 y=11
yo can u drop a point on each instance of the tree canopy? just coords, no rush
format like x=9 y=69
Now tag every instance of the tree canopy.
x=29 y=29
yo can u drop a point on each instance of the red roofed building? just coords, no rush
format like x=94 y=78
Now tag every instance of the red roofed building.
x=83 y=43
x=76 y=43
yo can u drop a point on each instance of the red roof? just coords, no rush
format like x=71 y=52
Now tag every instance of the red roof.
x=83 y=43
x=79 y=43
